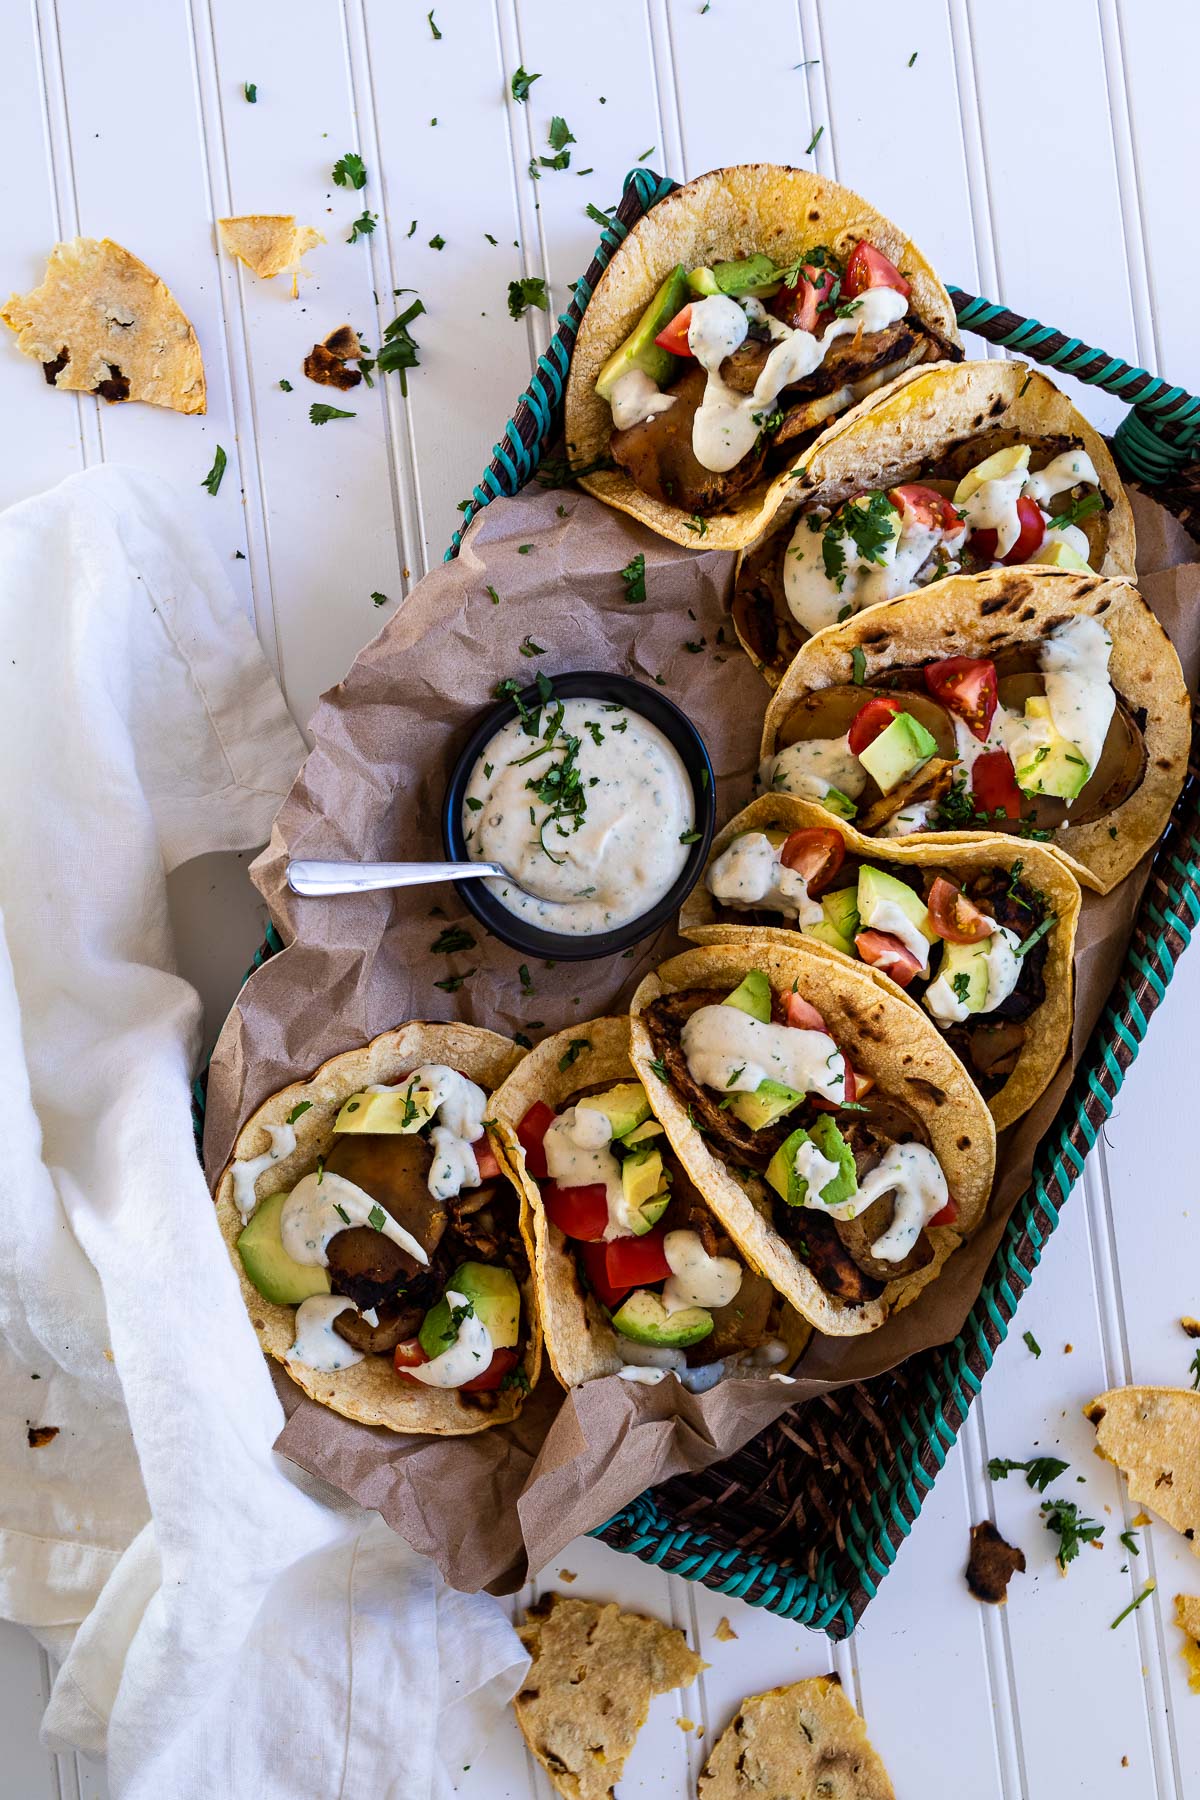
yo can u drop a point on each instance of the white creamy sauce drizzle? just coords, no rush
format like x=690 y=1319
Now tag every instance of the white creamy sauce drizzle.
x=652 y=1356
x=317 y=1345
x=727 y=1049
x=890 y=916
x=626 y=853
x=577 y=1155
x=453 y=1167
x=814 y=600
x=1072 y=469
x=727 y=423
x=993 y=507
x=310 y=1218
x=696 y=1278
x=247 y=1172
x=643 y=1377
x=751 y=873
x=999 y=955
x=435 y=1088
x=908 y=819
x=1075 y=668
x=914 y=1176
x=468 y=1356
x=635 y=398
x=814 y=1167
x=811 y=767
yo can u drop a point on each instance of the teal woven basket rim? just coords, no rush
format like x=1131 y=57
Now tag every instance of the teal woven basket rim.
x=1158 y=439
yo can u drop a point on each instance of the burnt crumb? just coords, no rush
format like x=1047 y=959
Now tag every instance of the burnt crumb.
x=326 y=362
x=343 y=342
x=992 y=1564
x=52 y=370
x=37 y=1435
x=1190 y=1327
x=116 y=387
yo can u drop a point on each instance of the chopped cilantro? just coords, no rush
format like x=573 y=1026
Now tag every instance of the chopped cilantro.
x=363 y=226
x=596 y=216
x=634 y=577
x=521 y=84
x=1194 y=1370
x=1134 y=1604
x=350 y=170
x=379 y=599
x=690 y=837
x=494 y=596
x=212 y=480
x=525 y=978
x=412 y=228
x=1129 y=1539
x=320 y=414
x=815 y=139
x=377 y=1218
x=529 y=291
x=961 y=983
x=660 y=1068
x=286 y=386
x=649 y=152
x=1078 y=509
x=1031 y=1343
x=433 y=25
x=300 y=1108
x=524 y=549
x=452 y=983
x=1073 y=1528
x=912 y=59
x=453 y=938
x=1034 y=937
x=1040 y=1471
x=341 y=1212
x=250 y=89
x=858 y=665
x=573 y=1052
x=528 y=647
x=437 y=242
x=398 y=350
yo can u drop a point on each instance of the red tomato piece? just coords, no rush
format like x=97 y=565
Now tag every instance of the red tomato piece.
x=871 y=719
x=927 y=507
x=674 y=337
x=531 y=1131
x=953 y=916
x=579 y=1212
x=802 y=1014
x=637 y=1261
x=797 y=306
x=947 y=1216
x=817 y=853
x=486 y=1159
x=1033 y=530
x=862 y=1084
x=883 y=951
x=983 y=544
x=994 y=784
x=503 y=1363
x=967 y=685
x=595 y=1262
x=867 y=268
x=408 y=1355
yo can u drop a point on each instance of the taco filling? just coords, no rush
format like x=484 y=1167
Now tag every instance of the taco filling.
x=402 y=1242
x=973 y=952
x=670 y=1280
x=732 y=366
x=843 y=1171
x=1025 y=742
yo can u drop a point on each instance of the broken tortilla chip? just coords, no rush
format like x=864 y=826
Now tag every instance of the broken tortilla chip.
x=103 y=323
x=801 y=1740
x=1153 y=1436
x=1187 y=1617
x=992 y=1564
x=595 y=1671
x=269 y=244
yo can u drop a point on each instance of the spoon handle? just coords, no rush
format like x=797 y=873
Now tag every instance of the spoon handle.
x=315 y=878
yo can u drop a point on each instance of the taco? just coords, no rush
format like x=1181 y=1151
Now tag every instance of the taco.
x=827 y=1124
x=979 y=935
x=384 y=1254
x=953 y=470
x=1046 y=705
x=742 y=314
x=636 y=1275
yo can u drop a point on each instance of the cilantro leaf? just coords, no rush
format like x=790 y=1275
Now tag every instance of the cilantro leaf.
x=363 y=226
x=1039 y=1471
x=377 y=1218
x=521 y=84
x=529 y=291
x=350 y=170
x=320 y=414
x=572 y=1053
x=212 y=480
x=437 y=242
x=1072 y=1527
x=398 y=350
x=634 y=577
x=379 y=599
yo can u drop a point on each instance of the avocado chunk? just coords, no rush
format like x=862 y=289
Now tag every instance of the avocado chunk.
x=494 y=1295
x=826 y=1139
x=992 y=468
x=643 y=1133
x=1051 y=764
x=965 y=971
x=881 y=896
x=639 y=351
x=645 y=1187
x=839 y=922
x=839 y=804
x=625 y=1106
x=1057 y=555
x=769 y=1101
x=752 y=995
x=268 y=1264
x=393 y=1111
x=703 y=282
x=645 y=1319
x=749 y=275
x=900 y=750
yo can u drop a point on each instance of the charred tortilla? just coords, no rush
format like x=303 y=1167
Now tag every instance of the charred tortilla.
x=1048 y=1027
x=988 y=615
x=371 y=1391
x=1153 y=1436
x=726 y=214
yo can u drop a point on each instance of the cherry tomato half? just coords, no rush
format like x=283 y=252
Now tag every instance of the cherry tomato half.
x=1033 y=531
x=867 y=268
x=817 y=853
x=634 y=1261
x=871 y=719
x=674 y=337
x=967 y=685
x=948 y=1214
x=802 y=1014
x=503 y=1363
x=408 y=1355
x=883 y=951
x=953 y=916
x=595 y=1261
x=927 y=507
x=486 y=1160
x=994 y=784
x=579 y=1212
x=531 y=1131
x=852 y=1092
x=797 y=306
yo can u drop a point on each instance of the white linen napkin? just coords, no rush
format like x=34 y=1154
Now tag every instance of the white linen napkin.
x=227 y=1628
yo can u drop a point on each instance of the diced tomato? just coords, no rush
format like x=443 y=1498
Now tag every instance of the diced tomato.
x=635 y=1261
x=486 y=1160
x=857 y=1085
x=579 y=1212
x=817 y=853
x=868 y=268
x=883 y=951
x=531 y=1131
x=674 y=337
x=797 y=306
x=1033 y=530
x=953 y=916
x=801 y=1013
x=983 y=544
x=994 y=784
x=595 y=1262
x=871 y=719
x=408 y=1355
x=862 y=1084
x=947 y=1216
x=967 y=685
x=927 y=507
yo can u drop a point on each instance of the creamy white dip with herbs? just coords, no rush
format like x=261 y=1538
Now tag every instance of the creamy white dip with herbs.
x=592 y=816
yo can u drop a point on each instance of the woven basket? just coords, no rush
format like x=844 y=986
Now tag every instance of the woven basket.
x=806 y=1519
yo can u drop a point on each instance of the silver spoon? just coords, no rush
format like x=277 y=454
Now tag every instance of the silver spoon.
x=319 y=878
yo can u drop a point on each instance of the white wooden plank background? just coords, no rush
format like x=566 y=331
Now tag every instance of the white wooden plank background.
x=1040 y=152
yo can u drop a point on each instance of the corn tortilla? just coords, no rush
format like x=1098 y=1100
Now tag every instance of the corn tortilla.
x=269 y=244
x=1153 y=1436
x=795 y=1742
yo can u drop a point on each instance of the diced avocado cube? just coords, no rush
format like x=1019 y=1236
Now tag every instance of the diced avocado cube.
x=839 y=921
x=273 y=1272
x=1057 y=555
x=625 y=1106
x=881 y=895
x=749 y=275
x=839 y=804
x=645 y=1319
x=1052 y=765
x=752 y=995
x=391 y=1112
x=703 y=282
x=899 y=751
x=643 y=1133
x=825 y=934
x=964 y=969
x=639 y=351
x=992 y=468
x=792 y=1187
x=645 y=1190
x=493 y=1294
x=771 y=1100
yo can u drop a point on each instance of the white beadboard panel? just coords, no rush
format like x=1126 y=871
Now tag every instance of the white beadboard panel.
x=735 y=104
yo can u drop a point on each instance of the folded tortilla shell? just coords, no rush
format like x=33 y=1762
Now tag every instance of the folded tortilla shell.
x=908 y=1059
x=580 y=1340
x=1049 y=1027
x=1153 y=1436
x=920 y=418
x=721 y=216
x=982 y=615
x=371 y=1391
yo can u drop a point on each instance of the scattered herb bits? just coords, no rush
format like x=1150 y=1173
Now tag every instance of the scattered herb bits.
x=350 y=170
x=529 y=291
x=212 y=480
x=521 y=84
x=320 y=414
x=634 y=577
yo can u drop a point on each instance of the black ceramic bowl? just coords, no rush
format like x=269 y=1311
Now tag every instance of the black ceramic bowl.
x=675 y=727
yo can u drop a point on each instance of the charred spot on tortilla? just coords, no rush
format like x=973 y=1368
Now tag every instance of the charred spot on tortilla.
x=992 y=1563
x=52 y=370
x=114 y=387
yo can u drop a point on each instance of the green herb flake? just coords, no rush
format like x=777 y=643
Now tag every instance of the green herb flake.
x=1072 y=1527
x=250 y=90
x=858 y=665
x=320 y=414
x=660 y=1069
x=379 y=599
x=529 y=291
x=437 y=242
x=1031 y=1343
x=1134 y=1604
x=433 y=26
x=452 y=983
x=573 y=1052
x=690 y=837
x=453 y=938
x=411 y=230
x=596 y=216
x=815 y=139
x=1194 y=1370
x=646 y=153
x=1039 y=1471
x=1047 y=924
x=286 y=386
x=634 y=577
x=521 y=84
x=560 y=133
x=1129 y=1539
x=298 y=1111
x=377 y=1218
x=528 y=647
x=398 y=351
x=363 y=226
x=1083 y=508
x=350 y=170
x=912 y=59
x=212 y=480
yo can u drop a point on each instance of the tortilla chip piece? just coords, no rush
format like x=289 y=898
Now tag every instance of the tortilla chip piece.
x=1153 y=1436
x=103 y=323
x=799 y=1741
x=1187 y=1617
x=326 y=362
x=269 y=244
x=595 y=1671
x=992 y=1564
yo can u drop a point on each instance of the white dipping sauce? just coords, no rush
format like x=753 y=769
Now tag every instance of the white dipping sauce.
x=596 y=869
x=751 y=873
x=322 y=1204
x=728 y=1050
x=247 y=1172
x=468 y=1356
x=317 y=1345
